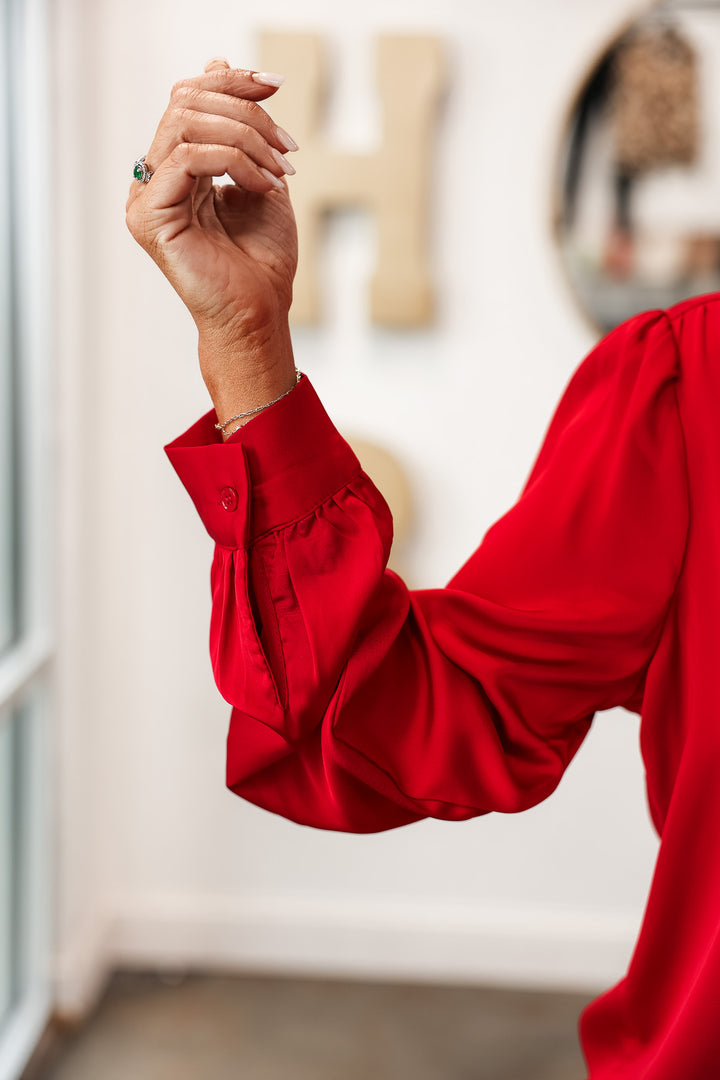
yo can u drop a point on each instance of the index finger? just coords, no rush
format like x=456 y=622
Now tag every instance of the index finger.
x=238 y=82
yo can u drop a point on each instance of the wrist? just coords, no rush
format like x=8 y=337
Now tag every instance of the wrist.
x=244 y=371
x=227 y=353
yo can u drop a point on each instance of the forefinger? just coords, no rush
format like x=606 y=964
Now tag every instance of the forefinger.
x=238 y=82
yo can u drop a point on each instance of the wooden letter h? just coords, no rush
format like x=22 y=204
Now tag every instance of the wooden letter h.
x=393 y=182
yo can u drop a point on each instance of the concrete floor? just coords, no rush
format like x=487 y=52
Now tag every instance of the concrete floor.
x=265 y=1028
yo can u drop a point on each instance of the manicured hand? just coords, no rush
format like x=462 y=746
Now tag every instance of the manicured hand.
x=230 y=251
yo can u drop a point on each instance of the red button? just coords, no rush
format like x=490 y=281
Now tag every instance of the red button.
x=229 y=498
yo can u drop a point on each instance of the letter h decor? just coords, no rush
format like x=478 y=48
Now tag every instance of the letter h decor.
x=393 y=182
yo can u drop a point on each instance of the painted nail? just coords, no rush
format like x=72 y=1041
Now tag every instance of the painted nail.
x=268 y=78
x=284 y=164
x=274 y=180
x=287 y=140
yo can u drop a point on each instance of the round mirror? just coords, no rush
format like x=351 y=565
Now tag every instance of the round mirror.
x=638 y=190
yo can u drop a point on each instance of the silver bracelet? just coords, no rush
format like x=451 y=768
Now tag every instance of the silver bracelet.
x=251 y=412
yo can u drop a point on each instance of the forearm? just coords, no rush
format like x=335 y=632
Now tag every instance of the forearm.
x=242 y=372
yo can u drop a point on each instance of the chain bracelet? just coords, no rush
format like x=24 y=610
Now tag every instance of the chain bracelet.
x=251 y=412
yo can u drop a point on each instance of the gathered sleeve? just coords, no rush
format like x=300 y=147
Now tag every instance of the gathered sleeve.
x=360 y=705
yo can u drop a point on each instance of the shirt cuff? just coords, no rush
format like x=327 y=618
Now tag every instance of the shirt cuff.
x=274 y=469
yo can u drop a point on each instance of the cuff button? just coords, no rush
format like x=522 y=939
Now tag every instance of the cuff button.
x=229 y=498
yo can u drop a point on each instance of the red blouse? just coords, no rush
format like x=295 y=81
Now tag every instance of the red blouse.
x=359 y=705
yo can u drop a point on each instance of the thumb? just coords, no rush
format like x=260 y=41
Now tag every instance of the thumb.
x=216 y=63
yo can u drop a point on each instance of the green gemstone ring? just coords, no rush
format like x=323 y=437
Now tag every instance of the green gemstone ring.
x=141 y=173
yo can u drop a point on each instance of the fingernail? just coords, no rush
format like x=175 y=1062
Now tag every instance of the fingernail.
x=287 y=140
x=216 y=60
x=268 y=78
x=274 y=180
x=284 y=164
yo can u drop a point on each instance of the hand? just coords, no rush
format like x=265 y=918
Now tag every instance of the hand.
x=229 y=251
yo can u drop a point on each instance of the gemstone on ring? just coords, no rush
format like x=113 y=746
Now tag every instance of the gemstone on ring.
x=141 y=172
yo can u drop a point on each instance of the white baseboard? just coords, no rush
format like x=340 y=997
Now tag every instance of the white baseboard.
x=386 y=940
x=80 y=971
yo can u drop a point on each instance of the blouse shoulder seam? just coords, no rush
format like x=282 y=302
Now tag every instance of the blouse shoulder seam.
x=686 y=470
x=676 y=311
x=676 y=347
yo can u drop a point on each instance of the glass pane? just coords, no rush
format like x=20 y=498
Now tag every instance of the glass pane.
x=7 y=568
x=25 y=877
x=8 y=870
x=8 y=571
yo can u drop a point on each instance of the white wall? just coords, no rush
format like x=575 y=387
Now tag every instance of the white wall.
x=158 y=862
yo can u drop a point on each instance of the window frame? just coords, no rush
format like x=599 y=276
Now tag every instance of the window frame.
x=26 y=692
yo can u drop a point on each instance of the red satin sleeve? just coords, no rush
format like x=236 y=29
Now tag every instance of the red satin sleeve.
x=361 y=705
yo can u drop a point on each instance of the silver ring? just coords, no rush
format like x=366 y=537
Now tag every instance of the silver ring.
x=141 y=172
